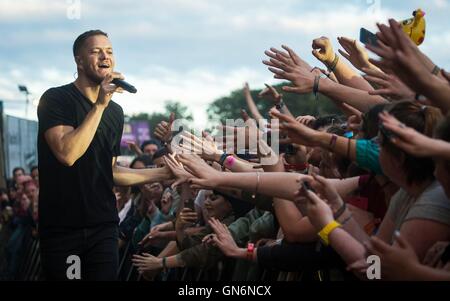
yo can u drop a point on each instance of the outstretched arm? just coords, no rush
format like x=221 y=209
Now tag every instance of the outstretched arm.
x=124 y=176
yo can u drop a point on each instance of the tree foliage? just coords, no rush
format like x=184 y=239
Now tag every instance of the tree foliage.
x=229 y=107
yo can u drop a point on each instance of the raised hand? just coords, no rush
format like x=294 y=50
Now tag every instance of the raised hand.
x=204 y=175
x=306 y=120
x=206 y=148
x=317 y=210
x=187 y=216
x=163 y=130
x=355 y=53
x=408 y=139
x=271 y=93
x=134 y=148
x=389 y=85
x=288 y=54
x=107 y=89
x=298 y=133
x=182 y=176
x=328 y=192
x=396 y=260
x=222 y=238
x=285 y=66
x=146 y=262
x=155 y=233
x=323 y=50
x=400 y=56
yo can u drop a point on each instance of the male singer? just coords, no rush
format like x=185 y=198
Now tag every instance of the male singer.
x=80 y=129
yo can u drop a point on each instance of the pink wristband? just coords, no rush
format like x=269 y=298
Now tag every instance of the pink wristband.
x=229 y=162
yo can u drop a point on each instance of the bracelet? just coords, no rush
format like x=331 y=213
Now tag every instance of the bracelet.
x=436 y=70
x=345 y=221
x=325 y=232
x=340 y=211
x=222 y=158
x=349 y=144
x=333 y=141
x=257 y=182
x=316 y=86
x=250 y=250
x=334 y=63
x=164 y=264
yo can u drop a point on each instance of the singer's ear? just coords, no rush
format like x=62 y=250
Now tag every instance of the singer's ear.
x=79 y=61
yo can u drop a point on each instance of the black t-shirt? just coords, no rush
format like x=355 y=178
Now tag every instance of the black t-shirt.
x=80 y=196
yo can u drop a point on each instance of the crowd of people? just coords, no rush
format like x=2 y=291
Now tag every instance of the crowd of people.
x=18 y=219
x=374 y=180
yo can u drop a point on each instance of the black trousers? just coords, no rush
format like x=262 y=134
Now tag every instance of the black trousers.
x=92 y=252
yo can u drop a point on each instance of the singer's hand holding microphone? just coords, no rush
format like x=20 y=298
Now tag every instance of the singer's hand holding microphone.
x=113 y=82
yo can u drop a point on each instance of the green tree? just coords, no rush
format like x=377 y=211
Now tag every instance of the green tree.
x=229 y=107
x=181 y=112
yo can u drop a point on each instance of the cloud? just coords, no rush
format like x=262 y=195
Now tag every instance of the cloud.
x=32 y=10
x=192 y=51
x=195 y=88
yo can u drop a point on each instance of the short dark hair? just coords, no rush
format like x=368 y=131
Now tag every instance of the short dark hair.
x=33 y=168
x=161 y=153
x=151 y=141
x=17 y=169
x=146 y=159
x=327 y=120
x=79 y=41
x=370 y=124
x=424 y=120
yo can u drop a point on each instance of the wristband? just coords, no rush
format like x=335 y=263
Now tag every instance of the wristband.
x=334 y=63
x=436 y=70
x=316 y=86
x=164 y=265
x=349 y=145
x=229 y=161
x=325 y=232
x=340 y=211
x=250 y=250
x=333 y=141
x=222 y=158
x=345 y=221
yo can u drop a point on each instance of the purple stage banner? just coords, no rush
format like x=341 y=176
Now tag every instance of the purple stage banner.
x=137 y=131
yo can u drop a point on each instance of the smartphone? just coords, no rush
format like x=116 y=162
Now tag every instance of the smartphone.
x=303 y=205
x=190 y=204
x=368 y=38
x=306 y=186
x=349 y=135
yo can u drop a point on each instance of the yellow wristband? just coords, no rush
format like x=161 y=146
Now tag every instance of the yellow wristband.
x=325 y=232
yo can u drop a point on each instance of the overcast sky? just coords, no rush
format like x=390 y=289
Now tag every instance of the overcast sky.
x=193 y=51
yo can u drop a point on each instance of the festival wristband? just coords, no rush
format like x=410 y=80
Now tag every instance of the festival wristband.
x=325 y=232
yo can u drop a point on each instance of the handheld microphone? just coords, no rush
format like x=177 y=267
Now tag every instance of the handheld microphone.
x=123 y=84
